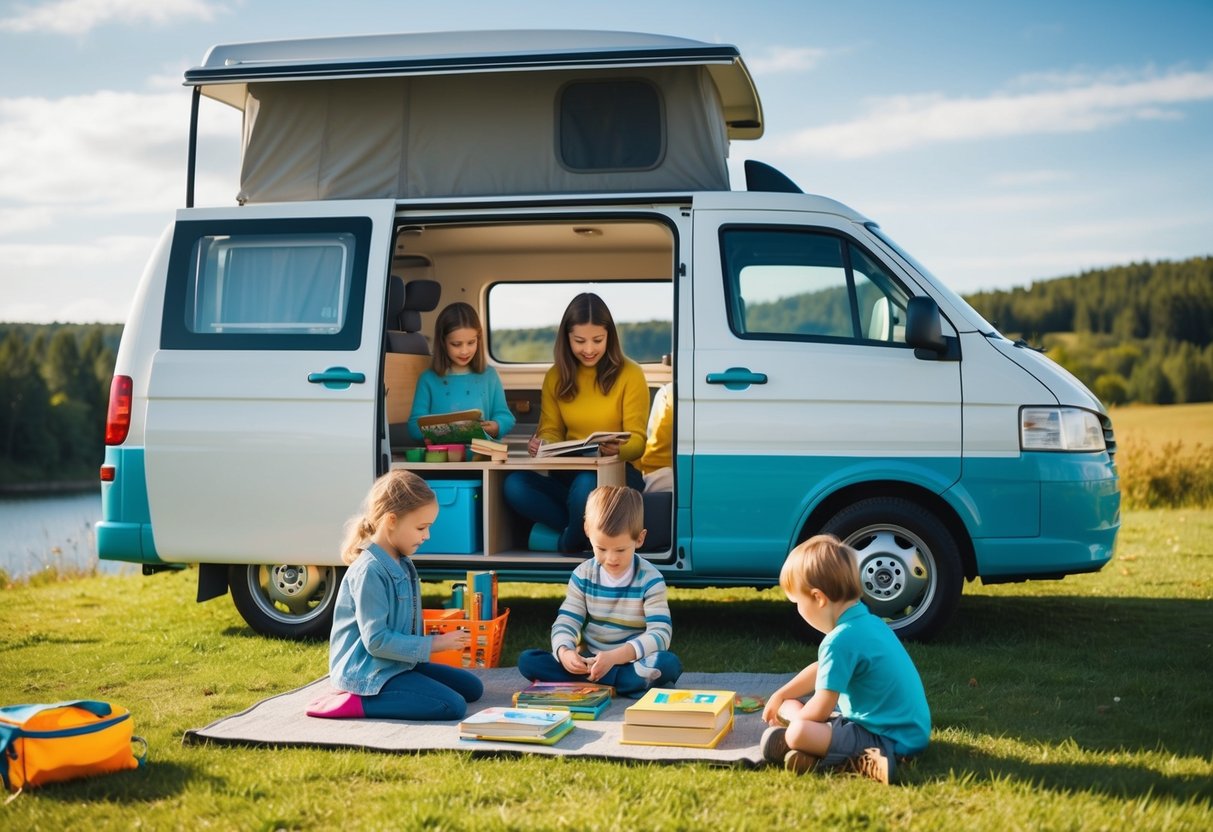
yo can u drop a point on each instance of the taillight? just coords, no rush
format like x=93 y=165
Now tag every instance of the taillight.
x=118 y=418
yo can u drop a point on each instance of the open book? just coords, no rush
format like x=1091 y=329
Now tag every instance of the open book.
x=581 y=447
x=456 y=427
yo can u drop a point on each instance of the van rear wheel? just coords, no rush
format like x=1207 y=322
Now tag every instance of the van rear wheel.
x=286 y=600
x=909 y=563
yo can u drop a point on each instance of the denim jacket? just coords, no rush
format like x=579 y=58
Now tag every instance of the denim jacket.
x=376 y=623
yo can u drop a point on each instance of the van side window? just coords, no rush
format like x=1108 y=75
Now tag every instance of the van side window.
x=261 y=286
x=610 y=126
x=794 y=284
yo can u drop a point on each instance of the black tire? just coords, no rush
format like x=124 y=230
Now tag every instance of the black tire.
x=286 y=600
x=909 y=563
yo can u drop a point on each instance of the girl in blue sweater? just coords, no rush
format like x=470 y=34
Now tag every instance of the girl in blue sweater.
x=461 y=378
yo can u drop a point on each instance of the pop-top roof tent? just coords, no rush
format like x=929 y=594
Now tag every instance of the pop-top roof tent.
x=447 y=114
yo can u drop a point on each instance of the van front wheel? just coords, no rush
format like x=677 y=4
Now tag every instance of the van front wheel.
x=909 y=563
x=286 y=600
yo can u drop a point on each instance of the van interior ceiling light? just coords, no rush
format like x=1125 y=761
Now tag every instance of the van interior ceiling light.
x=1060 y=429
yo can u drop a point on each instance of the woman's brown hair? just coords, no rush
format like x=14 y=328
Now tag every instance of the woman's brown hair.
x=586 y=308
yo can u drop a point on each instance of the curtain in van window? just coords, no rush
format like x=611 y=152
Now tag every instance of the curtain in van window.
x=279 y=286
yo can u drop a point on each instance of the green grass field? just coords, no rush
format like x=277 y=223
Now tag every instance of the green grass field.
x=1076 y=704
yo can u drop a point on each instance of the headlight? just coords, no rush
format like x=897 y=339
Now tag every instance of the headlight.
x=1059 y=429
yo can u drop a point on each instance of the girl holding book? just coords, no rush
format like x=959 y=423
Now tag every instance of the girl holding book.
x=592 y=386
x=460 y=378
x=378 y=654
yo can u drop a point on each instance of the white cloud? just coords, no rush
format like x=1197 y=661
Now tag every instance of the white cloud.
x=786 y=59
x=121 y=151
x=1079 y=104
x=75 y=17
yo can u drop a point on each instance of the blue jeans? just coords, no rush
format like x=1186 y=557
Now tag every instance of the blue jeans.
x=542 y=666
x=558 y=499
x=429 y=691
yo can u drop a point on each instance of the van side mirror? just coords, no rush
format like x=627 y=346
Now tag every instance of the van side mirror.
x=924 y=332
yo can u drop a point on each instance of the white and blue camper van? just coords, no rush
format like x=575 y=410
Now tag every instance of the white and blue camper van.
x=823 y=379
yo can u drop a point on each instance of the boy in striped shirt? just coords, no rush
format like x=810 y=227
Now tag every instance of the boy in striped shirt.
x=614 y=624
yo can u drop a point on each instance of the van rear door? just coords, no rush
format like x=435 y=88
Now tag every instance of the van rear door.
x=263 y=415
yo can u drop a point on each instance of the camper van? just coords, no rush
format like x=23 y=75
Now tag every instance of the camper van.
x=823 y=379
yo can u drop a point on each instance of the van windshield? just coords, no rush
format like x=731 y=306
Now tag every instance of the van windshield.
x=983 y=326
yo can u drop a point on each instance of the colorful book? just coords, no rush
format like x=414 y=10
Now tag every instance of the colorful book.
x=459 y=427
x=516 y=725
x=480 y=599
x=665 y=716
x=584 y=700
x=550 y=739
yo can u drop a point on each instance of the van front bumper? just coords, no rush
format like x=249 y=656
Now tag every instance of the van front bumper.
x=1079 y=521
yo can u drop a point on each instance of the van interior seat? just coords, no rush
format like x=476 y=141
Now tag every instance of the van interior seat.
x=405 y=303
x=408 y=350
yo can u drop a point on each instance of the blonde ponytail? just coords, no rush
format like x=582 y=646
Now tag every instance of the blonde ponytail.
x=396 y=492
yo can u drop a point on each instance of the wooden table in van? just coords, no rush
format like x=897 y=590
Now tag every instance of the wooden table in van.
x=503 y=530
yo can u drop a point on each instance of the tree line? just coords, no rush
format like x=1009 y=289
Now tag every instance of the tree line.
x=54 y=393
x=1136 y=333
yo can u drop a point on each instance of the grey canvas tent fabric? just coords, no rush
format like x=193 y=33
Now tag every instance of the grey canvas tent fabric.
x=482 y=134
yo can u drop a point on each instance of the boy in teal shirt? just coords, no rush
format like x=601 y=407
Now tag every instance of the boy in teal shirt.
x=866 y=705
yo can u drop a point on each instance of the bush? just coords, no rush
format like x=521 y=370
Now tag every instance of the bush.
x=1169 y=475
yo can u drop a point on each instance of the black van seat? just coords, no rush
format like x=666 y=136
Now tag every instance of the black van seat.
x=408 y=350
x=405 y=303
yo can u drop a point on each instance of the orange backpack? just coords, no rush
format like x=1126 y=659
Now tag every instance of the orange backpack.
x=42 y=744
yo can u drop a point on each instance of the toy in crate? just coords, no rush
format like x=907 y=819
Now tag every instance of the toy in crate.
x=476 y=612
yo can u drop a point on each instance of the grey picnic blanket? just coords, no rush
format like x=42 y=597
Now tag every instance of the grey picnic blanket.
x=281 y=721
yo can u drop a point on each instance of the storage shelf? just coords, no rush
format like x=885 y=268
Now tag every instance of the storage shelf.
x=505 y=534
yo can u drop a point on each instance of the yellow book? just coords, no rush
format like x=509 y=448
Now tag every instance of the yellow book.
x=675 y=735
x=670 y=707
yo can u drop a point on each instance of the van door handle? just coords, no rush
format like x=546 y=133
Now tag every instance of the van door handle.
x=337 y=378
x=737 y=378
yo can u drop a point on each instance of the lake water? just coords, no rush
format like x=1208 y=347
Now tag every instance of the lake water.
x=52 y=530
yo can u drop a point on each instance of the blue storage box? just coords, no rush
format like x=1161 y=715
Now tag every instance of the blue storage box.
x=458 y=529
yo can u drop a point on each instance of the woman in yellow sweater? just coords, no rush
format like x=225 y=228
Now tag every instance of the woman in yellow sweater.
x=592 y=386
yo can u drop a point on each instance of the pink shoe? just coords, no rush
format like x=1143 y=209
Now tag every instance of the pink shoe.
x=336 y=704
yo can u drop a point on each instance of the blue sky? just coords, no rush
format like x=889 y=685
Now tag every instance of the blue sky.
x=1000 y=143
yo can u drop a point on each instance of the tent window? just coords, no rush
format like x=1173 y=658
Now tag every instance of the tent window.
x=610 y=126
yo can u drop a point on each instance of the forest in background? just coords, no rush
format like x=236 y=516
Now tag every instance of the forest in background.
x=1136 y=333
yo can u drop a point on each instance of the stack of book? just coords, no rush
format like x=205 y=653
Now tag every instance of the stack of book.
x=584 y=700
x=491 y=448
x=480 y=596
x=516 y=725
x=693 y=718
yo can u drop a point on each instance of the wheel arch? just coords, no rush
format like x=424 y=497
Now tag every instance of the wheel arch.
x=834 y=502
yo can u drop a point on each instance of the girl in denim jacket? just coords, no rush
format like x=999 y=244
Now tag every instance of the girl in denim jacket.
x=378 y=654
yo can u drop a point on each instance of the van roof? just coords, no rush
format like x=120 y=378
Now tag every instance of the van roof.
x=228 y=68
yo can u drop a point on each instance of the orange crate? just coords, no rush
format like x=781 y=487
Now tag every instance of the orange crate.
x=487 y=637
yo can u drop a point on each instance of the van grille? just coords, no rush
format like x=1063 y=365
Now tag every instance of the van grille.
x=1109 y=437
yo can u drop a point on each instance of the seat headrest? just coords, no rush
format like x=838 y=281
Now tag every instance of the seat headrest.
x=422 y=295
